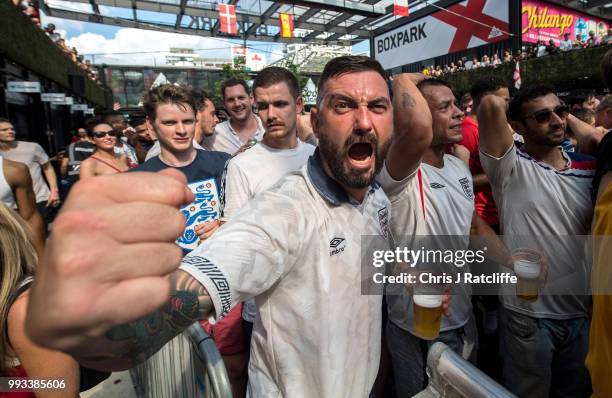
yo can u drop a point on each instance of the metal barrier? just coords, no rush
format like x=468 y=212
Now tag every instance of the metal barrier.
x=187 y=366
x=452 y=376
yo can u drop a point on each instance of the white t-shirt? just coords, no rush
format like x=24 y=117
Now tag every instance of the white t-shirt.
x=155 y=150
x=296 y=248
x=226 y=139
x=257 y=169
x=538 y=205
x=34 y=156
x=252 y=172
x=6 y=193
x=433 y=201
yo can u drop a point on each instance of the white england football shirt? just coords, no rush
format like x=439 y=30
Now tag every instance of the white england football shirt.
x=296 y=248
x=433 y=201
x=538 y=204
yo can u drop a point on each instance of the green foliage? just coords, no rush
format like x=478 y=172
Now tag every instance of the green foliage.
x=26 y=44
x=237 y=71
x=302 y=79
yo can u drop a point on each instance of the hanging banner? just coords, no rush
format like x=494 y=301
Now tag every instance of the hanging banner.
x=464 y=25
x=545 y=21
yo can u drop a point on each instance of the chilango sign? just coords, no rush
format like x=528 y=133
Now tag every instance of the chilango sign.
x=544 y=21
x=464 y=25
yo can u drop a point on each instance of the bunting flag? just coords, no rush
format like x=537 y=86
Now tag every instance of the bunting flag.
x=286 y=25
x=227 y=18
x=400 y=8
x=517 y=76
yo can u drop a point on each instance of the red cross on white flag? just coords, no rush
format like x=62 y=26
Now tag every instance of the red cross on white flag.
x=227 y=18
x=400 y=8
x=517 y=76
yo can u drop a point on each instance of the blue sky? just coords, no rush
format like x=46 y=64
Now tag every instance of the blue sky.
x=137 y=46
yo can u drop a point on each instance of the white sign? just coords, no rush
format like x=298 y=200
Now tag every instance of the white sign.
x=309 y=92
x=79 y=107
x=89 y=111
x=23 y=87
x=68 y=101
x=52 y=97
x=255 y=61
x=447 y=31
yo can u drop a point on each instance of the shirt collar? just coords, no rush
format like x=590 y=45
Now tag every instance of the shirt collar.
x=326 y=186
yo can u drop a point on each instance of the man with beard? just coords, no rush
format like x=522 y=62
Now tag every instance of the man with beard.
x=541 y=191
x=296 y=248
x=242 y=127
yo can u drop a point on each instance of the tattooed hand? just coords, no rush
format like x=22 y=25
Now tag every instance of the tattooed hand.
x=107 y=264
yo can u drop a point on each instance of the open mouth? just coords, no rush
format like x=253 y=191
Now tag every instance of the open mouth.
x=360 y=154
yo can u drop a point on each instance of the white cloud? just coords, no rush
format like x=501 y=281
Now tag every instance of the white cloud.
x=142 y=47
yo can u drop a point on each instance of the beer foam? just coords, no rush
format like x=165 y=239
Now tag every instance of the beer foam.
x=428 y=300
x=526 y=269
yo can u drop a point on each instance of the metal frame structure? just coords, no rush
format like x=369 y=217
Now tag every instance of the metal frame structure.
x=335 y=22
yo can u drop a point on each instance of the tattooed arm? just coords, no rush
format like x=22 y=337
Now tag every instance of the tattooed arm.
x=124 y=346
x=412 y=124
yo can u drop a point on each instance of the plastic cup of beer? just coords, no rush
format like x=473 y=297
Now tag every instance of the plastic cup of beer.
x=427 y=314
x=527 y=267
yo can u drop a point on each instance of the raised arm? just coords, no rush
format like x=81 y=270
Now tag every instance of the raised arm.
x=108 y=291
x=413 y=126
x=588 y=137
x=495 y=134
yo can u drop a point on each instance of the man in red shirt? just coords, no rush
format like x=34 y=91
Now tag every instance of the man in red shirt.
x=485 y=205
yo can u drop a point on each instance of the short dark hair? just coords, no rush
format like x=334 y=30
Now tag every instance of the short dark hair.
x=93 y=122
x=167 y=94
x=486 y=84
x=433 y=82
x=349 y=64
x=274 y=75
x=606 y=69
x=515 y=109
x=107 y=115
x=234 y=81
x=465 y=98
x=5 y=120
x=578 y=96
x=584 y=114
x=200 y=97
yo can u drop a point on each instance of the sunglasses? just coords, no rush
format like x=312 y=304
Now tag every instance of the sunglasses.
x=544 y=115
x=102 y=134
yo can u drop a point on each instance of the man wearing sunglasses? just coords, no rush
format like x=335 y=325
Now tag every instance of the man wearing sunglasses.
x=541 y=191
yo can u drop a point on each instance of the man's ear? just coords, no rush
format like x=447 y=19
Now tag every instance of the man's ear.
x=150 y=128
x=299 y=105
x=518 y=127
x=314 y=120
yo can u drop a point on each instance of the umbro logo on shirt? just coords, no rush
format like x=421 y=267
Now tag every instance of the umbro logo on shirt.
x=436 y=185
x=337 y=245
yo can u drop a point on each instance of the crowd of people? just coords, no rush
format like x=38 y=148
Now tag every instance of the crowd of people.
x=253 y=227
x=28 y=8
x=528 y=51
